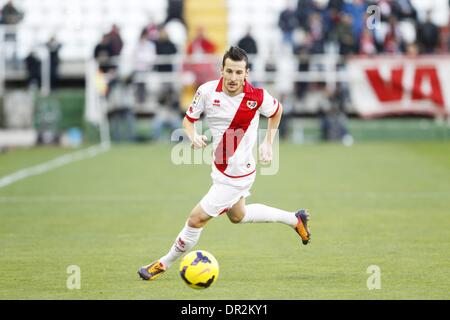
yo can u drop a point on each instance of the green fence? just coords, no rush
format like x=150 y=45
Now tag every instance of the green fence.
x=307 y=130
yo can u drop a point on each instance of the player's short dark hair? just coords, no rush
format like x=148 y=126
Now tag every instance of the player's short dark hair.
x=235 y=54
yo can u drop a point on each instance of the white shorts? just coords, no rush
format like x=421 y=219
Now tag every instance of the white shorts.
x=221 y=197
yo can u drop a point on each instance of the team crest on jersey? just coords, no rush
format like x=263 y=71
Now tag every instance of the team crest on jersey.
x=252 y=104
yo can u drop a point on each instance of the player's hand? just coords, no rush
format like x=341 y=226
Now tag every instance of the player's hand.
x=199 y=142
x=265 y=152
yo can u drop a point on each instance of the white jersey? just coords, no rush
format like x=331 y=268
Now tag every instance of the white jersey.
x=233 y=122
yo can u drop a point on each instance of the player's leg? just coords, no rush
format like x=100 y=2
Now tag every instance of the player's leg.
x=188 y=237
x=237 y=212
x=259 y=213
x=185 y=240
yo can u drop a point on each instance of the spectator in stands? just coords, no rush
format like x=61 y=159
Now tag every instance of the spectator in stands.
x=120 y=102
x=144 y=53
x=393 y=40
x=10 y=14
x=53 y=47
x=288 y=22
x=202 y=66
x=107 y=65
x=115 y=41
x=248 y=44
x=428 y=35
x=316 y=33
x=357 y=10
x=143 y=59
x=303 y=11
x=334 y=16
x=346 y=40
x=168 y=113
x=333 y=119
x=115 y=44
x=103 y=54
x=33 y=65
x=164 y=49
x=201 y=44
x=301 y=87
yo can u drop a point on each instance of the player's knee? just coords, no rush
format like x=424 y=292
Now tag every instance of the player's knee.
x=197 y=219
x=195 y=222
x=235 y=218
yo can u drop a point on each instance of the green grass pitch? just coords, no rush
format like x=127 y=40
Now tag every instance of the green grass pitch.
x=383 y=204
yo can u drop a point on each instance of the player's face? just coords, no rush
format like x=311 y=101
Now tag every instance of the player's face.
x=234 y=74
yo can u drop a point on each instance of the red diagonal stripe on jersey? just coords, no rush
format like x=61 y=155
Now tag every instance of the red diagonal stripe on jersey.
x=233 y=135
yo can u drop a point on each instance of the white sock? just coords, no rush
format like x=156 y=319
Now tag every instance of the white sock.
x=256 y=213
x=186 y=239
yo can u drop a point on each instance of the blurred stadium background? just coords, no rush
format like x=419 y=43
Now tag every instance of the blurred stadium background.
x=91 y=76
x=314 y=55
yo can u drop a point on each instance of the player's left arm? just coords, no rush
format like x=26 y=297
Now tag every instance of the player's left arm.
x=265 y=150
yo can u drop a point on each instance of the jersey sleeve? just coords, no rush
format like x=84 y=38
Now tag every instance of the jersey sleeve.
x=269 y=106
x=197 y=106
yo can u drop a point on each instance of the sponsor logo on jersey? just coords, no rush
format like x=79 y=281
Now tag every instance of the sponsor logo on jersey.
x=252 y=104
x=216 y=103
x=196 y=98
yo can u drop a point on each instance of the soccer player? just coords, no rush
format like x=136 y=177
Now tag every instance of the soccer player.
x=232 y=107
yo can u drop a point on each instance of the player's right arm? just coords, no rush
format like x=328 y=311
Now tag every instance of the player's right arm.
x=192 y=115
x=197 y=141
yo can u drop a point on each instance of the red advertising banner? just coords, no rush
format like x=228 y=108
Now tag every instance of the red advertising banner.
x=398 y=85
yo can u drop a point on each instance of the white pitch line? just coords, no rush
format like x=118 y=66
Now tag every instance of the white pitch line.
x=80 y=198
x=53 y=164
x=91 y=199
